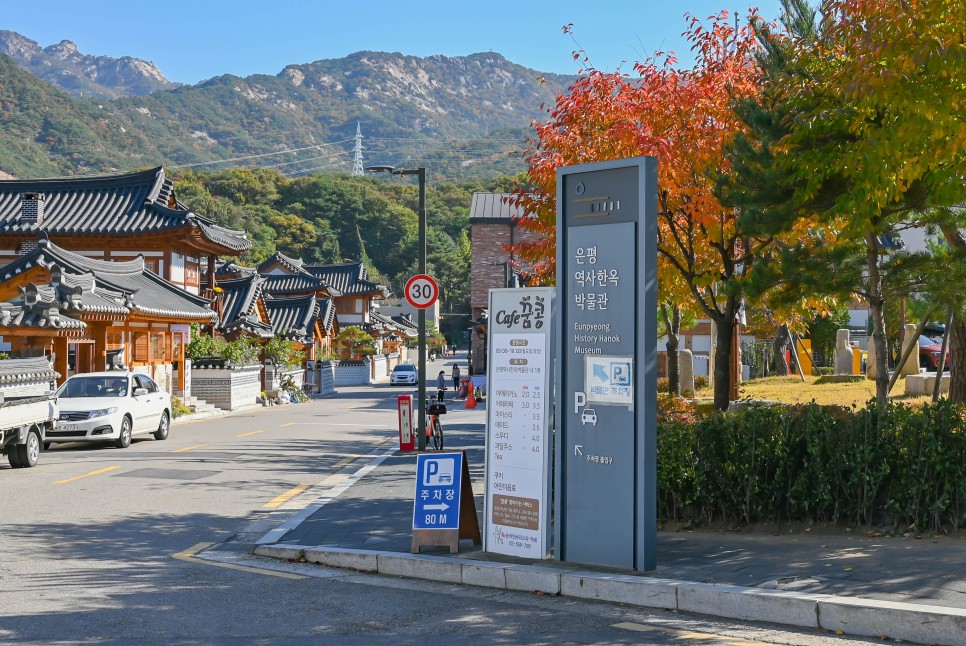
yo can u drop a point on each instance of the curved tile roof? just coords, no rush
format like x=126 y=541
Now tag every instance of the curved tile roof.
x=348 y=278
x=292 y=264
x=292 y=283
x=38 y=312
x=144 y=290
x=12 y=370
x=294 y=316
x=129 y=204
x=239 y=299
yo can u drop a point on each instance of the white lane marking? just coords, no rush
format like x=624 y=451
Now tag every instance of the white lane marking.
x=295 y=520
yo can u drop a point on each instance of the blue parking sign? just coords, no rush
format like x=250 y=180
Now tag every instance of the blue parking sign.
x=438 y=480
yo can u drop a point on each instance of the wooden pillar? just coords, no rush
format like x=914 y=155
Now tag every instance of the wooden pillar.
x=60 y=358
x=85 y=358
x=99 y=358
x=211 y=272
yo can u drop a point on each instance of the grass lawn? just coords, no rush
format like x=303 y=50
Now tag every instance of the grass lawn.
x=793 y=390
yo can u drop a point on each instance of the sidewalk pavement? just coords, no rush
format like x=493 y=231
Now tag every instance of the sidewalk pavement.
x=903 y=588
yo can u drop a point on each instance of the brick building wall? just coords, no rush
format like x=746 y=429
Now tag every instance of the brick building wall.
x=493 y=224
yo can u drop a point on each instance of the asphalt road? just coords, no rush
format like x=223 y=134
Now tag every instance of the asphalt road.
x=98 y=545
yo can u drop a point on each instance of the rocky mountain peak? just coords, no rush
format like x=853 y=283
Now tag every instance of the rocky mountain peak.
x=84 y=75
x=61 y=50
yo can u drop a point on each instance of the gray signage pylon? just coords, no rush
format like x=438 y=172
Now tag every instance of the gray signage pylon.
x=606 y=364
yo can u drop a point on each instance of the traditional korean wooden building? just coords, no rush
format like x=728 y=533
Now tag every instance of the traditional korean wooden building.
x=117 y=217
x=128 y=315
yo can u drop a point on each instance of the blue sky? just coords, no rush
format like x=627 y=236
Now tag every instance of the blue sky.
x=192 y=41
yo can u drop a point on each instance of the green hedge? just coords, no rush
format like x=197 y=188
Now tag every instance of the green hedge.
x=906 y=468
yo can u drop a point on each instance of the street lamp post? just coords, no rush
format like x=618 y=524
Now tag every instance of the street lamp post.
x=421 y=314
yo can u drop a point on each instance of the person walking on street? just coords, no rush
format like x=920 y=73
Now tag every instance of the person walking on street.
x=440 y=385
x=456 y=377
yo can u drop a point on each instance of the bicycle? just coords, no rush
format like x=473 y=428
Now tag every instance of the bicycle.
x=434 y=429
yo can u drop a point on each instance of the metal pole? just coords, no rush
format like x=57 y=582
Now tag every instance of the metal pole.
x=421 y=317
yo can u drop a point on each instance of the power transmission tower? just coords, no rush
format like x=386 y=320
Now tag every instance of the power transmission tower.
x=357 y=153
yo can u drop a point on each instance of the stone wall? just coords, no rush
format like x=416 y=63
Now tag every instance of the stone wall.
x=325 y=377
x=226 y=386
x=274 y=378
x=353 y=373
x=378 y=367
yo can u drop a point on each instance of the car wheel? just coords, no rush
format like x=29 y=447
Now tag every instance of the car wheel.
x=124 y=439
x=13 y=457
x=30 y=450
x=163 y=427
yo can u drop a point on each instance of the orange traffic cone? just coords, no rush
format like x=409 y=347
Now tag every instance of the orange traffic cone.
x=470 y=396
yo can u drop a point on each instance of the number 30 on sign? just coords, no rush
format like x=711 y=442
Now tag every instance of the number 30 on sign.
x=422 y=291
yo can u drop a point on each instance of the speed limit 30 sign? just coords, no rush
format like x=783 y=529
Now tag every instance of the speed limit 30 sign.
x=422 y=291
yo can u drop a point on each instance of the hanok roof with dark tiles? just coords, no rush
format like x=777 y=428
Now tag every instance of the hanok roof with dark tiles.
x=301 y=283
x=134 y=203
x=229 y=268
x=26 y=369
x=295 y=317
x=294 y=265
x=349 y=278
x=239 y=305
x=144 y=290
x=36 y=309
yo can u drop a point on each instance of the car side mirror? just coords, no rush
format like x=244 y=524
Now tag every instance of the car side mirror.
x=140 y=391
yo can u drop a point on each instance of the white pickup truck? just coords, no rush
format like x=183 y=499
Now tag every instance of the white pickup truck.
x=28 y=409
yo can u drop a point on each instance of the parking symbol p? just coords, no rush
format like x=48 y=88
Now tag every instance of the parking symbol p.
x=620 y=374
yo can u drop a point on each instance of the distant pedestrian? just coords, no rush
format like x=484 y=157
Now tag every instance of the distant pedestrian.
x=440 y=385
x=456 y=377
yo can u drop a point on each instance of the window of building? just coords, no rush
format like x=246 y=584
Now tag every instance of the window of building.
x=141 y=347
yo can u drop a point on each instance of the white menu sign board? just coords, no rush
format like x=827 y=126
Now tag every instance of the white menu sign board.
x=518 y=405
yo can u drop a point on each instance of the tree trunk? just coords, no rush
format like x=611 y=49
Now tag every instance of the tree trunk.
x=877 y=314
x=672 y=324
x=957 y=360
x=957 y=335
x=725 y=324
x=779 y=349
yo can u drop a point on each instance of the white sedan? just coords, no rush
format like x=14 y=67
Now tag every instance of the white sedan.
x=116 y=406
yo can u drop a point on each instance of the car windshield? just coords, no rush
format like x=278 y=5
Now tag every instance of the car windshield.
x=94 y=387
x=925 y=340
x=404 y=368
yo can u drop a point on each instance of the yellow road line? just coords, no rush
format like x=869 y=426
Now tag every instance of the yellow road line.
x=189 y=448
x=189 y=556
x=250 y=433
x=288 y=495
x=686 y=634
x=287 y=424
x=346 y=461
x=87 y=475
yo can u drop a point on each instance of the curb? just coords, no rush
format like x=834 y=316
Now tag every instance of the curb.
x=917 y=623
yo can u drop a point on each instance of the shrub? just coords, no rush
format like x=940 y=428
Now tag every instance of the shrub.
x=284 y=353
x=905 y=468
x=701 y=382
x=242 y=351
x=204 y=347
x=179 y=408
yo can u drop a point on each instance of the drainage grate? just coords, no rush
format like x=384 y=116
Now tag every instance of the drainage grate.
x=168 y=474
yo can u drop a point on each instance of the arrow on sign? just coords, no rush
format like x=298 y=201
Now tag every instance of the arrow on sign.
x=600 y=373
x=441 y=506
x=577 y=448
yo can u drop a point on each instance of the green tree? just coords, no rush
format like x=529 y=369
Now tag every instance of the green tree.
x=354 y=343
